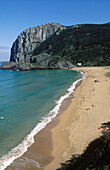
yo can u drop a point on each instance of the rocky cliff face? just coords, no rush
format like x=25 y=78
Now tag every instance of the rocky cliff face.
x=22 y=51
x=29 y=39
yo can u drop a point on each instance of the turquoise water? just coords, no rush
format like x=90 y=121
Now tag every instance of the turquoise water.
x=34 y=94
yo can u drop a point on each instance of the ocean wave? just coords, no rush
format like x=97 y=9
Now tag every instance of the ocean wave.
x=29 y=139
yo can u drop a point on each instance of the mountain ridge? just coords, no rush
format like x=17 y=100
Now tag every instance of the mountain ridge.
x=52 y=45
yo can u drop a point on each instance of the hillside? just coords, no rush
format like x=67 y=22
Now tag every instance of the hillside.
x=52 y=45
x=87 y=43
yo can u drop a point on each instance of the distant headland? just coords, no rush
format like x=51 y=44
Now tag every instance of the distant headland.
x=53 y=46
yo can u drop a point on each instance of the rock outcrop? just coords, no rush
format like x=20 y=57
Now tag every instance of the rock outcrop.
x=7 y=65
x=22 y=51
x=29 y=39
x=45 y=60
x=55 y=46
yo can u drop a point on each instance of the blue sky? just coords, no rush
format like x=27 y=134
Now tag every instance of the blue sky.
x=18 y=15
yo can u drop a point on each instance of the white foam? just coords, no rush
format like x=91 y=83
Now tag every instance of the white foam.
x=29 y=139
x=2 y=117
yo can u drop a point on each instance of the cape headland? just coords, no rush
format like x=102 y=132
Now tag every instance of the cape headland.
x=52 y=46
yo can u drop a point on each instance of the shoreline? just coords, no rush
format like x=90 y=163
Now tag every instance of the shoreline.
x=72 y=130
x=88 y=110
x=48 y=120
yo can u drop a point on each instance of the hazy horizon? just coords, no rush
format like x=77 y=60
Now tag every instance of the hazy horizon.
x=4 y=53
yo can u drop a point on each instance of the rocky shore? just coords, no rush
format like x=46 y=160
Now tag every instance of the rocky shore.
x=23 y=66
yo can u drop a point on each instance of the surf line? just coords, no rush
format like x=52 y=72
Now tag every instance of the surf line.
x=19 y=150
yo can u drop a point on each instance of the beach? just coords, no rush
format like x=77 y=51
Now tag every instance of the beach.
x=75 y=127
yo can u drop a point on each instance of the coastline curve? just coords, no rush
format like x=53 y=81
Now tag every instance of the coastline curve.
x=19 y=150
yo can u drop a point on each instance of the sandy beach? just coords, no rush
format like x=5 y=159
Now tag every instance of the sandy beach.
x=77 y=125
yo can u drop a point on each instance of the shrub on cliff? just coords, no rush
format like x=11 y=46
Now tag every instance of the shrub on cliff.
x=87 y=43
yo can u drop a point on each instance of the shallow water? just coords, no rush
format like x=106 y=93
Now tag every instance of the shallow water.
x=25 y=97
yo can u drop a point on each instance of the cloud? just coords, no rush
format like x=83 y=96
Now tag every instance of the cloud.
x=4 y=53
x=4 y=49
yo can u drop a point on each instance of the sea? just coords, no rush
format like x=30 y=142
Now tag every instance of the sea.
x=29 y=100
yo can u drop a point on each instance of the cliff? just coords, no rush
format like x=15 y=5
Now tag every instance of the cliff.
x=52 y=45
x=22 y=49
x=88 y=44
x=29 y=39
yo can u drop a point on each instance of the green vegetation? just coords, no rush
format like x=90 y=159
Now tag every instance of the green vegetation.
x=107 y=74
x=87 y=43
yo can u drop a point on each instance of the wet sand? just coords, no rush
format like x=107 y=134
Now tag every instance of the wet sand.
x=73 y=129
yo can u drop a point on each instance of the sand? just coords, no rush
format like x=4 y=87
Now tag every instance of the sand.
x=76 y=126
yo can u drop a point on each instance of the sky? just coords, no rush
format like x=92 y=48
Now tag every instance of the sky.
x=18 y=15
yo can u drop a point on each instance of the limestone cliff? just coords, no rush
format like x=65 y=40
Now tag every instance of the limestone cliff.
x=22 y=51
x=29 y=39
x=54 y=46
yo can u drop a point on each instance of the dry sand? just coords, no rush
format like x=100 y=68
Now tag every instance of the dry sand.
x=78 y=125
x=75 y=127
